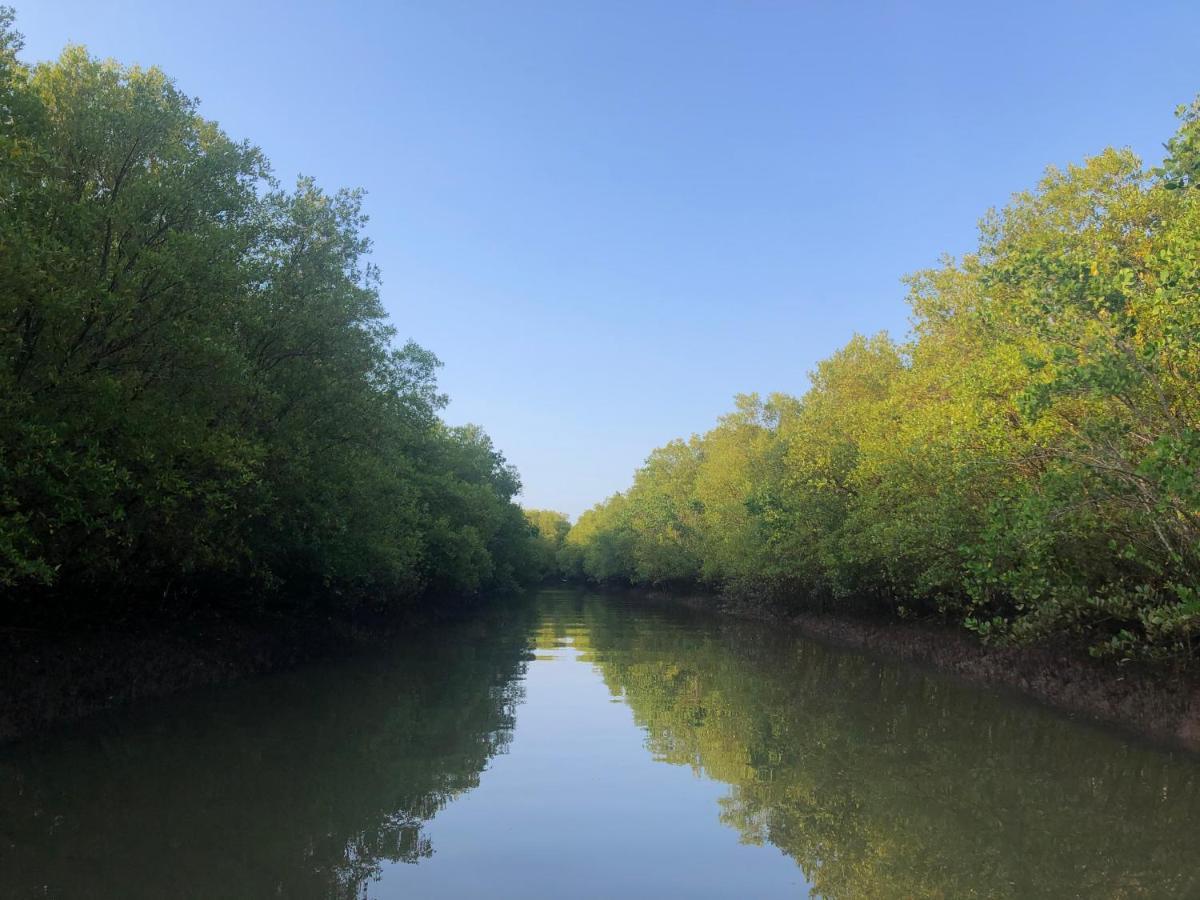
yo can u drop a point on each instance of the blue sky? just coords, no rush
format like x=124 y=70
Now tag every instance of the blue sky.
x=607 y=218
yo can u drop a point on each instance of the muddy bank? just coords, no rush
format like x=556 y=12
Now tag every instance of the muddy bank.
x=53 y=675
x=1154 y=703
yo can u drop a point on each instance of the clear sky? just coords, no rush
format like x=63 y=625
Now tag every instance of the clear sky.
x=607 y=218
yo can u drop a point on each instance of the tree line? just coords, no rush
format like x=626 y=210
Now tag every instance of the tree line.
x=200 y=393
x=1026 y=462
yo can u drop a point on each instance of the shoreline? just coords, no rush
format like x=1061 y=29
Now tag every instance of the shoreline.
x=53 y=677
x=1146 y=702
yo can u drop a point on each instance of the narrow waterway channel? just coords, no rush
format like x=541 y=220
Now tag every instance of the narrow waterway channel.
x=579 y=745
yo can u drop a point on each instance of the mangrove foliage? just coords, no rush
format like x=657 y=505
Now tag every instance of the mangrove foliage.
x=1025 y=462
x=200 y=393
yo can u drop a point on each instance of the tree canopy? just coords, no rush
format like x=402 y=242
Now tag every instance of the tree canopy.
x=1027 y=461
x=199 y=387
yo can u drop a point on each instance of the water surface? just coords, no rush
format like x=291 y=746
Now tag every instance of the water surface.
x=579 y=745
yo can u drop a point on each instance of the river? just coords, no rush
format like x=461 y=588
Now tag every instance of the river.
x=585 y=745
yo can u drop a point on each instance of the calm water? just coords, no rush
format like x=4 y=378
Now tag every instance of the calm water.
x=588 y=746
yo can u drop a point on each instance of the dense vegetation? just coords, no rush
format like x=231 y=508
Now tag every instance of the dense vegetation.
x=1027 y=462
x=199 y=393
x=550 y=534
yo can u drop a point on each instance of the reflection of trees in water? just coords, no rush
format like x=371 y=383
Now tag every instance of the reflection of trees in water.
x=881 y=781
x=300 y=785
